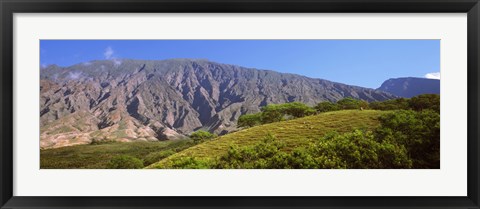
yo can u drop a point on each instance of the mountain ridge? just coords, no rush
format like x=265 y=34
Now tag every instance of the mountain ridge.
x=410 y=86
x=127 y=99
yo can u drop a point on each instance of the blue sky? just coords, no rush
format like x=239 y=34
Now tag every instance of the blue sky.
x=364 y=63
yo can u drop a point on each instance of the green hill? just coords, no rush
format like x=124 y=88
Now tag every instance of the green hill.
x=294 y=133
x=99 y=156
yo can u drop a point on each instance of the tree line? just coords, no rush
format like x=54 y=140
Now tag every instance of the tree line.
x=404 y=139
x=278 y=112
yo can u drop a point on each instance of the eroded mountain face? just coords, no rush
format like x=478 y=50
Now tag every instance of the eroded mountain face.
x=409 y=87
x=127 y=100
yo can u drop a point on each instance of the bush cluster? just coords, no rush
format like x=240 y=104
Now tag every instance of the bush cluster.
x=275 y=113
x=125 y=162
x=201 y=136
x=418 y=103
x=191 y=163
x=404 y=139
x=278 y=112
x=157 y=156
x=417 y=131
x=359 y=149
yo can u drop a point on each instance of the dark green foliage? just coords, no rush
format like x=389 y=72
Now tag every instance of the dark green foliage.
x=394 y=104
x=103 y=141
x=419 y=132
x=350 y=104
x=157 y=156
x=125 y=162
x=425 y=101
x=358 y=149
x=191 y=163
x=418 y=103
x=264 y=154
x=272 y=113
x=250 y=120
x=326 y=107
x=275 y=113
x=201 y=136
x=297 y=109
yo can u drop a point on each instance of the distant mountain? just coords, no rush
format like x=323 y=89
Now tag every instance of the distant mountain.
x=410 y=87
x=126 y=100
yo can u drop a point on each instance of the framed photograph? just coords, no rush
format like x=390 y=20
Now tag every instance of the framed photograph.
x=240 y=104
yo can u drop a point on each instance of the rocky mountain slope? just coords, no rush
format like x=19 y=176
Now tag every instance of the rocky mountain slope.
x=126 y=100
x=410 y=86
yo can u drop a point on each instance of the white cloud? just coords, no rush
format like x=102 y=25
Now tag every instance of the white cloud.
x=108 y=54
x=116 y=62
x=435 y=75
x=55 y=77
x=74 y=75
x=43 y=66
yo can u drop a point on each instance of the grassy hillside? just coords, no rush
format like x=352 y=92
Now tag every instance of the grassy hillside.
x=100 y=155
x=294 y=133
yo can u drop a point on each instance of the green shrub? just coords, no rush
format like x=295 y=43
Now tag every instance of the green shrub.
x=157 y=156
x=419 y=132
x=359 y=149
x=276 y=112
x=297 y=109
x=272 y=113
x=249 y=120
x=301 y=158
x=192 y=163
x=326 y=107
x=425 y=101
x=125 y=162
x=96 y=141
x=393 y=104
x=350 y=104
x=256 y=156
x=201 y=136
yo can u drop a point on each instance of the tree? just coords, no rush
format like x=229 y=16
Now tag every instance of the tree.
x=358 y=149
x=425 y=101
x=363 y=104
x=125 y=162
x=249 y=120
x=393 y=104
x=272 y=113
x=326 y=107
x=296 y=109
x=200 y=136
x=418 y=131
x=263 y=154
x=350 y=104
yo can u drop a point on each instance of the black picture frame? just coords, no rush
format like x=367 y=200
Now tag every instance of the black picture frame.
x=9 y=7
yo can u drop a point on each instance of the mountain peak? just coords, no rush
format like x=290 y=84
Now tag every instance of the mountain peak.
x=410 y=86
